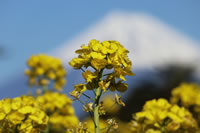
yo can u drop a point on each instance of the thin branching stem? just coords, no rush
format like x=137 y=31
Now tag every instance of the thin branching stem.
x=80 y=101
x=82 y=69
x=109 y=129
x=88 y=97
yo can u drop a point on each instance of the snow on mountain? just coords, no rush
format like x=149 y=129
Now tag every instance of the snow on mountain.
x=151 y=42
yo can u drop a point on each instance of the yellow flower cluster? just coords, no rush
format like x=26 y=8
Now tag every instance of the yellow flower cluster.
x=159 y=115
x=59 y=109
x=90 y=126
x=43 y=69
x=110 y=105
x=102 y=55
x=188 y=95
x=87 y=126
x=82 y=128
x=21 y=114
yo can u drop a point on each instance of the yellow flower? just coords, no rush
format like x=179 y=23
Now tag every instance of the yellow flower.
x=100 y=56
x=110 y=105
x=60 y=110
x=44 y=82
x=16 y=103
x=159 y=114
x=39 y=71
x=120 y=73
x=188 y=95
x=98 y=63
x=51 y=75
x=6 y=106
x=103 y=85
x=192 y=91
x=90 y=125
x=44 y=69
x=89 y=76
x=22 y=114
x=118 y=100
x=96 y=55
x=88 y=107
x=77 y=63
x=79 y=89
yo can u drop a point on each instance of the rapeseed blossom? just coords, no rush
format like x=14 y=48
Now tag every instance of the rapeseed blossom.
x=22 y=114
x=110 y=105
x=59 y=109
x=109 y=55
x=43 y=69
x=188 y=95
x=88 y=127
x=82 y=128
x=159 y=115
x=184 y=93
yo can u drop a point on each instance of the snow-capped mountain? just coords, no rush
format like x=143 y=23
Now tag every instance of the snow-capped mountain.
x=151 y=42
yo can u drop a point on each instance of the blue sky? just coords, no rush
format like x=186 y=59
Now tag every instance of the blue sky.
x=39 y=26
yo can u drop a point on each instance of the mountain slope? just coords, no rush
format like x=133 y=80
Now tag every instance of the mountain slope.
x=151 y=43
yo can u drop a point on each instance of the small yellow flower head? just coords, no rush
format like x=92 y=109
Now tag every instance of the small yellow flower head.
x=22 y=114
x=60 y=122
x=43 y=69
x=59 y=108
x=159 y=115
x=90 y=126
x=188 y=95
x=88 y=107
x=118 y=100
x=184 y=93
x=87 y=126
x=109 y=55
x=112 y=123
x=101 y=108
x=89 y=76
x=100 y=55
x=110 y=105
x=82 y=128
x=79 y=89
x=103 y=84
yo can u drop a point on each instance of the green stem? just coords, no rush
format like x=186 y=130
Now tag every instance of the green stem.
x=96 y=110
x=47 y=130
x=88 y=96
x=80 y=101
x=96 y=103
x=105 y=128
x=109 y=129
x=82 y=69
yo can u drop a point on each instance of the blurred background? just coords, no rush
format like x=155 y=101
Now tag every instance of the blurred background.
x=162 y=37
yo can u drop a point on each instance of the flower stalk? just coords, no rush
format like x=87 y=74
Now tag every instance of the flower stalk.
x=96 y=110
x=96 y=104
